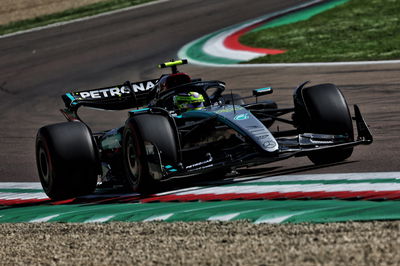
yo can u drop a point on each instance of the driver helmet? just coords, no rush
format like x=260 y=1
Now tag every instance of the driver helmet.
x=189 y=101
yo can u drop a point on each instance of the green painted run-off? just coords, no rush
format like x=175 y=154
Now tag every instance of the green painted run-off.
x=272 y=211
x=300 y=15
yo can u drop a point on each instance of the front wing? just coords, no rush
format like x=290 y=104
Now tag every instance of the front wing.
x=248 y=155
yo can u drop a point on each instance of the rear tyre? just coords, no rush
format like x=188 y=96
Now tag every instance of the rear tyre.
x=147 y=130
x=325 y=111
x=67 y=160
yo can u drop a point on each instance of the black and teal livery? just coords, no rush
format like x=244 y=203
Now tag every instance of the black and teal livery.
x=159 y=141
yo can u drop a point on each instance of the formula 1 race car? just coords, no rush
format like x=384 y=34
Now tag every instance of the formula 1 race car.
x=179 y=127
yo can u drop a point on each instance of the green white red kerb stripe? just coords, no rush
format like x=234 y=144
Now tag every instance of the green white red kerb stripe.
x=223 y=47
x=374 y=196
x=367 y=186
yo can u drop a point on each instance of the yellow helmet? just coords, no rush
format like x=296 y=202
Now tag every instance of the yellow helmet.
x=189 y=101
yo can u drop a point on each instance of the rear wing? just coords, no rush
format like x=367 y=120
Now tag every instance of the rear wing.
x=119 y=97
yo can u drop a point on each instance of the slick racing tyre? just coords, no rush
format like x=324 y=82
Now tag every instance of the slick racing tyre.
x=146 y=133
x=67 y=160
x=325 y=111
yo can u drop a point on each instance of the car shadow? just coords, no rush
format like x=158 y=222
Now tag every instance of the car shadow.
x=242 y=175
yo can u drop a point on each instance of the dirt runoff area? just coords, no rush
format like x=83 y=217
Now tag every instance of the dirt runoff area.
x=200 y=243
x=14 y=10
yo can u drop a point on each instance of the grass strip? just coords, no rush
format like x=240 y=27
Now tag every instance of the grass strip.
x=70 y=14
x=354 y=31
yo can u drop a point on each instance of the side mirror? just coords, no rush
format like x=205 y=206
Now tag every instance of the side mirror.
x=262 y=91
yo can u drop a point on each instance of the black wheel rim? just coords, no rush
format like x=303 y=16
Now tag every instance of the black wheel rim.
x=133 y=160
x=44 y=166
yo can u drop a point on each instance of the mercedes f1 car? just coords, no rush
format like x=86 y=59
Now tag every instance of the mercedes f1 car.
x=161 y=140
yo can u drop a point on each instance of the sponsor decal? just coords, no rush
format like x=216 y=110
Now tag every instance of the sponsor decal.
x=228 y=109
x=262 y=137
x=201 y=167
x=104 y=93
x=263 y=89
x=242 y=116
x=143 y=86
x=115 y=91
x=255 y=128
x=268 y=144
x=200 y=163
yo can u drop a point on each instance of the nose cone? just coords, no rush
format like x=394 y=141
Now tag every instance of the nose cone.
x=247 y=124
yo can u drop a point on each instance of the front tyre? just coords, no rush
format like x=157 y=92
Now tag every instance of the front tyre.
x=67 y=160
x=145 y=137
x=323 y=109
x=135 y=165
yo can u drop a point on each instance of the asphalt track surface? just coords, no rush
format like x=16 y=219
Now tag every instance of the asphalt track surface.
x=36 y=68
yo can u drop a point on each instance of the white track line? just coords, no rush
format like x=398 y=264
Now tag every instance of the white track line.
x=22 y=196
x=339 y=176
x=316 y=64
x=285 y=188
x=20 y=185
x=246 y=185
x=83 y=19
